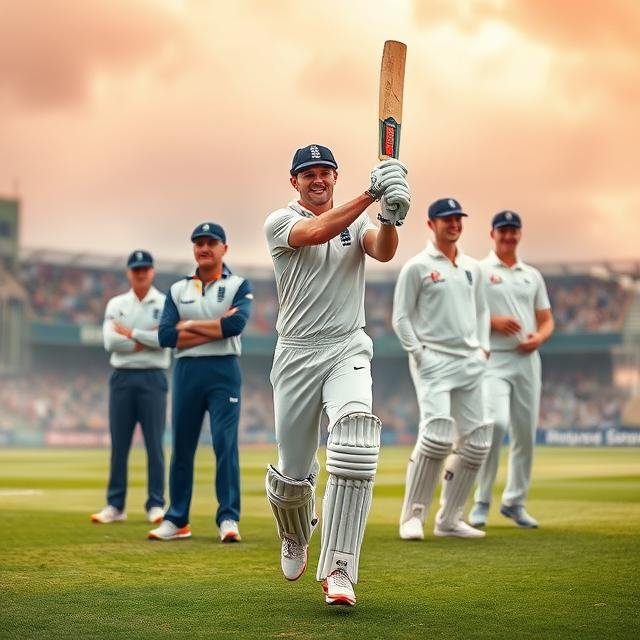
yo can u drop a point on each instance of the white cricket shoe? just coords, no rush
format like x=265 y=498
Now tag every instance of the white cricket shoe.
x=479 y=514
x=155 y=515
x=293 y=559
x=169 y=531
x=338 y=589
x=109 y=514
x=459 y=530
x=412 y=529
x=519 y=515
x=229 y=531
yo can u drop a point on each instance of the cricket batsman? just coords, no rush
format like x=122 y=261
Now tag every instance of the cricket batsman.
x=322 y=362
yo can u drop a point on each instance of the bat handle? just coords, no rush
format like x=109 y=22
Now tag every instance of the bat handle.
x=389 y=139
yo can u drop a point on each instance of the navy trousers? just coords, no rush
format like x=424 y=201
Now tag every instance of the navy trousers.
x=137 y=395
x=208 y=383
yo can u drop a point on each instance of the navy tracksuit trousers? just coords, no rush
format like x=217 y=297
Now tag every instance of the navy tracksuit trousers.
x=201 y=384
x=137 y=395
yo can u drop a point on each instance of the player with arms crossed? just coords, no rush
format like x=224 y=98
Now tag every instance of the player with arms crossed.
x=442 y=320
x=521 y=321
x=322 y=362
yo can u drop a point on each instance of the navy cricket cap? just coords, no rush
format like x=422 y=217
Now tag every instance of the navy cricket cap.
x=209 y=230
x=312 y=156
x=445 y=207
x=139 y=259
x=506 y=219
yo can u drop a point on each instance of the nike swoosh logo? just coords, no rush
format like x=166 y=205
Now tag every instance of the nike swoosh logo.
x=358 y=368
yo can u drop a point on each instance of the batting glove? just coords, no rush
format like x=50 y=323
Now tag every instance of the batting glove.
x=395 y=205
x=385 y=174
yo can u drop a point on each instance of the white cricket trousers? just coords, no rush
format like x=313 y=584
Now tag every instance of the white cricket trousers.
x=331 y=374
x=512 y=388
x=448 y=385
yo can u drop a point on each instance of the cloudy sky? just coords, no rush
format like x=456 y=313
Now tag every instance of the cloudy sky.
x=124 y=123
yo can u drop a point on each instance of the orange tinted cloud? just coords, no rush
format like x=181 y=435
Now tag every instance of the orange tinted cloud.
x=52 y=52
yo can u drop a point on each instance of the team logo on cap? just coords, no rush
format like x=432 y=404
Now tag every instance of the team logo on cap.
x=315 y=152
x=205 y=227
x=138 y=255
x=453 y=204
x=508 y=215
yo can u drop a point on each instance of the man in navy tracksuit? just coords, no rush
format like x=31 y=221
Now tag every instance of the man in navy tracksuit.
x=203 y=317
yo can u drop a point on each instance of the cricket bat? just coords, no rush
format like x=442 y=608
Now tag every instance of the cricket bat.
x=390 y=106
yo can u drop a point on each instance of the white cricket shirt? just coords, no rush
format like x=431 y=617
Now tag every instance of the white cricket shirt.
x=320 y=287
x=517 y=291
x=440 y=305
x=143 y=317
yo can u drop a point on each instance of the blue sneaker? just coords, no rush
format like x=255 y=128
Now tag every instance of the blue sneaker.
x=479 y=515
x=519 y=515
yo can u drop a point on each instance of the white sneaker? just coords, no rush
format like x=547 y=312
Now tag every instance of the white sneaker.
x=293 y=559
x=412 y=529
x=109 y=514
x=459 y=530
x=155 y=515
x=479 y=514
x=169 y=531
x=229 y=531
x=338 y=589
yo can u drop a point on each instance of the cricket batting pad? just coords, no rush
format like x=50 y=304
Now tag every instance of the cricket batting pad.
x=460 y=473
x=293 y=505
x=352 y=460
x=425 y=465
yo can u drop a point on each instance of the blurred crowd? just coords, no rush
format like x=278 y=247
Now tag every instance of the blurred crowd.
x=581 y=304
x=75 y=401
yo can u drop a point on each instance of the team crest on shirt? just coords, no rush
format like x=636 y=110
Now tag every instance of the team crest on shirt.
x=221 y=291
x=469 y=276
x=494 y=279
x=345 y=238
x=156 y=314
x=436 y=277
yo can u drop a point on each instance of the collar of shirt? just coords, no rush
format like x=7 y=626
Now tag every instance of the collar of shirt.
x=298 y=208
x=434 y=252
x=152 y=294
x=226 y=272
x=498 y=263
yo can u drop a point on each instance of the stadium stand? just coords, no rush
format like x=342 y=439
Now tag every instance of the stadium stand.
x=63 y=398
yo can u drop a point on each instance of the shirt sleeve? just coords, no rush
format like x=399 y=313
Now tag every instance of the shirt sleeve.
x=147 y=337
x=483 y=314
x=364 y=225
x=242 y=301
x=277 y=228
x=405 y=298
x=542 y=295
x=113 y=341
x=167 y=332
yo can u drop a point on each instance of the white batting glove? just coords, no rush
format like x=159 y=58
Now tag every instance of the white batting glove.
x=385 y=174
x=395 y=204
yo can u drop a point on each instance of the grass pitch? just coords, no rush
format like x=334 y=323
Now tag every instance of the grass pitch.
x=63 y=577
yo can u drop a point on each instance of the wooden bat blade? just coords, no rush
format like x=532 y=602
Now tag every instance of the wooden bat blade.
x=390 y=106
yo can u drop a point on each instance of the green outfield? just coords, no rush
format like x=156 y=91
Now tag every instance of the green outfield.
x=64 y=577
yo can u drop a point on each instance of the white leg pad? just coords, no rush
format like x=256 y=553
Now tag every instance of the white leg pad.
x=461 y=470
x=352 y=459
x=293 y=505
x=425 y=465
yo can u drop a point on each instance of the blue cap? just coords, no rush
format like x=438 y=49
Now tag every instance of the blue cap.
x=312 y=156
x=445 y=207
x=506 y=219
x=209 y=230
x=139 y=259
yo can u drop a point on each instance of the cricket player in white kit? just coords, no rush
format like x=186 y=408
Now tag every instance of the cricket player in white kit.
x=521 y=321
x=322 y=362
x=442 y=320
